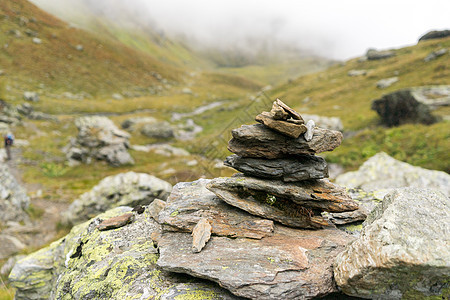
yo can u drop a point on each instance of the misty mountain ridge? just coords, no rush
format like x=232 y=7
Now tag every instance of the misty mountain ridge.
x=232 y=49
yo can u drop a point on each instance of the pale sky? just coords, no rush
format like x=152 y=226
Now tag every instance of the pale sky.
x=338 y=29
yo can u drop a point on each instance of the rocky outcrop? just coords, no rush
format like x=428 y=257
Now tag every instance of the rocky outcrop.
x=402 y=252
x=259 y=141
x=111 y=264
x=31 y=96
x=435 y=34
x=373 y=54
x=125 y=189
x=381 y=173
x=98 y=138
x=402 y=107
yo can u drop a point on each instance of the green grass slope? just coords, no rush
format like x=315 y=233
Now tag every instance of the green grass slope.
x=103 y=66
x=334 y=93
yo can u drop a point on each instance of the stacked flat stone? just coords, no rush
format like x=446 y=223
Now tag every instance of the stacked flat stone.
x=282 y=178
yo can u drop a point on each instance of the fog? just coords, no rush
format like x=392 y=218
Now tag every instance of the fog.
x=330 y=28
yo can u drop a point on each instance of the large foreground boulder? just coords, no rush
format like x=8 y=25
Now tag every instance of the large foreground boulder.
x=403 y=251
x=381 y=173
x=125 y=189
x=98 y=138
x=111 y=264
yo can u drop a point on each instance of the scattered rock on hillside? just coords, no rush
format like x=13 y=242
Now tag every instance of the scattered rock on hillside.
x=158 y=130
x=386 y=82
x=402 y=107
x=31 y=96
x=355 y=73
x=382 y=172
x=117 y=96
x=98 y=138
x=435 y=54
x=332 y=123
x=112 y=264
x=402 y=252
x=79 y=47
x=435 y=34
x=259 y=141
x=373 y=54
x=129 y=124
x=37 y=40
x=125 y=189
x=434 y=96
x=287 y=169
x=161 y=149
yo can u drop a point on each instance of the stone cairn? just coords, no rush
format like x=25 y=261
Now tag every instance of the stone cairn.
x=282 y=178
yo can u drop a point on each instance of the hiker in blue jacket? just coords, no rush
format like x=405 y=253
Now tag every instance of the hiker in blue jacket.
x=9 y=141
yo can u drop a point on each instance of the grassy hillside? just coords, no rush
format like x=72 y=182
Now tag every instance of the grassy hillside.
x=334 y=93
x=100 y=66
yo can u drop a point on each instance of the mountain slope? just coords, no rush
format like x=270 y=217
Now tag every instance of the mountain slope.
x=334 y=93
x=41 y=49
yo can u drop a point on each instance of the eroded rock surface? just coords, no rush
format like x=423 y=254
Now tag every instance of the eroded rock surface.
x=259 y=141
x=291 y=264
x=124 y=189
x=403 y=251
x=287 y=169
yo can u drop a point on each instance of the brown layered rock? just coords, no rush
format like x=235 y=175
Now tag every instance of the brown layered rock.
x=297 y=204
x=116 y=222
x=201 y=235
x=191 y=201
x=294 y=115
x=286 y=128
x=314 y=194
x=259 y=141
x=287 y=169
x=291 y=264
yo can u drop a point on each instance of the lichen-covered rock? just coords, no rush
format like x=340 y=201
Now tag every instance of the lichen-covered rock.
x=124 y=189
x=382 y=172
x=373 y=54
x=403 y=250
x=98 y=138
x=114 y=264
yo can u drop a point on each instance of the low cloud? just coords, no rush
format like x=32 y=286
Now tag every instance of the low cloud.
x=330 y=28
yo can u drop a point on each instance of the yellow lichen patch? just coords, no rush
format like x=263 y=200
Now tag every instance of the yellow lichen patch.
x=197 y=295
